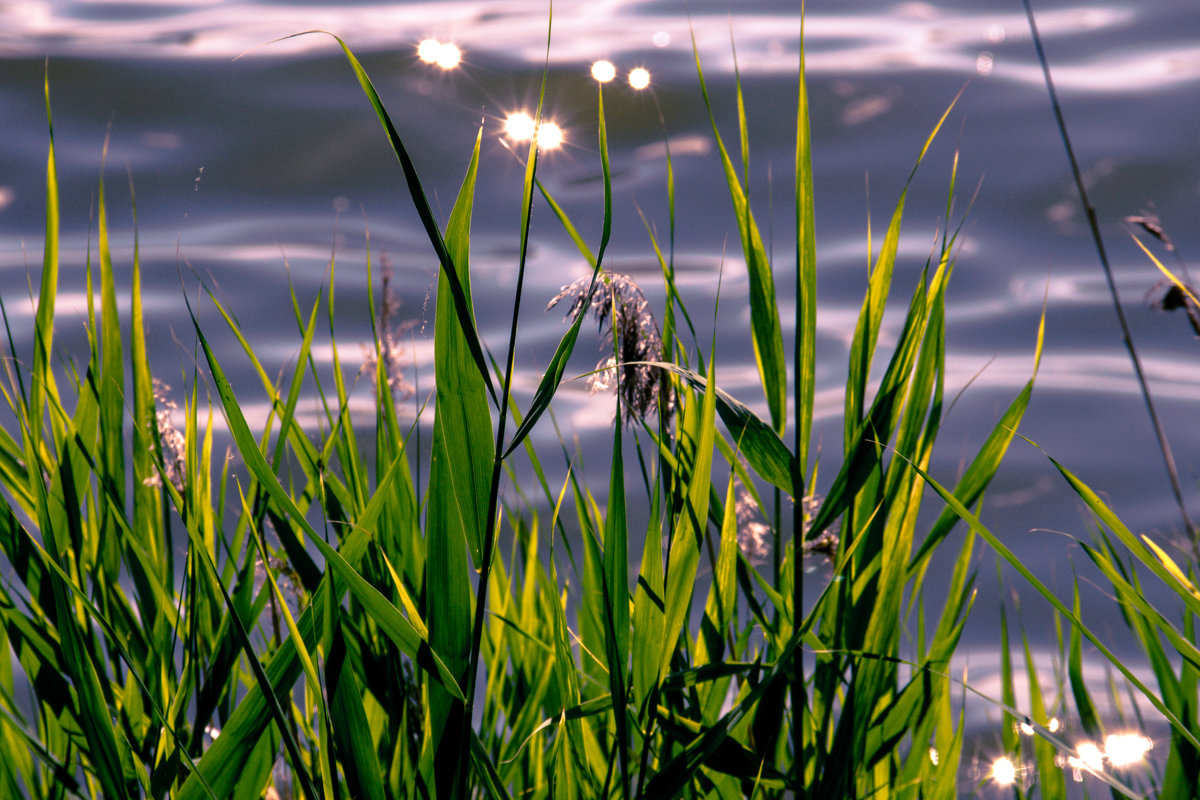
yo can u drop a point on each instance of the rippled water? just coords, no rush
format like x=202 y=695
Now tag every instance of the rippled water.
x=239 y=166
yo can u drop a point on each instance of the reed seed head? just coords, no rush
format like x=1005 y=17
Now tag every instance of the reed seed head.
x=630 y=331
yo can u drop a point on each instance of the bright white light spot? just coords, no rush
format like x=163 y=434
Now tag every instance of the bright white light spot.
x=448 y=56
x=661 y=39
x=604 y=71
x=933 y=755
x=984 y=64
x=1026 y=728
x=428 y=50
x=1090 y=757
x=1003 y=771
x=1054 y=725
x=639 y=78
x=995 y=34
x=1126 y=749
x=519 y=127
x=549 y=136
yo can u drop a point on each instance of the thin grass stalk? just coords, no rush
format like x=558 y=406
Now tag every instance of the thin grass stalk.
x=489 y=533
x=803 y=377
x=1126 y=334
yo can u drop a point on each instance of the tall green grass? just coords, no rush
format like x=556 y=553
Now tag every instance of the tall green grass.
x=390 y=641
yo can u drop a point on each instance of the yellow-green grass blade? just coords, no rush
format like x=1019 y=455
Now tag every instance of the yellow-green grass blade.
x=1174 y=579
x=804 y=352
x=306 y=660
x=648 y=619
x=757 y=441
x=147 y=501
x=983 y=466
x=462 y=416
x=1051 y=781
x=112 y=381
x=41 y=381
x=767 y=335
x=1007 y=555
x=684 y=554
x=1088 y=718
x=866 y=333
x=458 y=497
x=287 y=415
x=616 y=600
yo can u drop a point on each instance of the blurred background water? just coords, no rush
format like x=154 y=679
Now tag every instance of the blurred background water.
x=251 y=172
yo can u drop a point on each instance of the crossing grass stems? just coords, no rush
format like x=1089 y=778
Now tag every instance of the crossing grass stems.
x=389 y=637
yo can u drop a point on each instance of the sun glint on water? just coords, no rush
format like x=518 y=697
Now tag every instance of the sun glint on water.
x=443 y=54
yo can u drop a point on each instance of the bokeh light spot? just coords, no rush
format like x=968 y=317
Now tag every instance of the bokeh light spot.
x=639 y=78
x=444 y=54
x=428 y=50
x=519 y=127
x=1126 y=749
x=449 y=56
x=1090 y=757
x=1003 y=771
x=661 y=39
x=604 y=71
x=549 y=136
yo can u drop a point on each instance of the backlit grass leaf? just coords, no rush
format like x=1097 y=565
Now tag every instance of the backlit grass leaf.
x=756 y=440
x=765 y=328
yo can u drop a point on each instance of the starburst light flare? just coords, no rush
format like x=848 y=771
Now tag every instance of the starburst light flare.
x=639 y=78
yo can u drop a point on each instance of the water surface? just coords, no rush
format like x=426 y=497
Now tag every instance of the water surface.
x=250 y=172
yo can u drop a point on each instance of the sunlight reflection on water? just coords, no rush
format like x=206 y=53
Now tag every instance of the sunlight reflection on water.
x=916 y=36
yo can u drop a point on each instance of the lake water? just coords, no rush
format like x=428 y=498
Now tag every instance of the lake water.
x=241 y=167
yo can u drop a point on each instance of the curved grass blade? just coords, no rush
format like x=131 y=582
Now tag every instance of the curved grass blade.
x=462 y=303
x=1002 y=550
x=757 y=440
x=764 y=310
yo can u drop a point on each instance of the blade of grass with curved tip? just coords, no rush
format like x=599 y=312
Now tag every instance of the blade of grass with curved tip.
x=757 y=440
x=764 y=311
x=462 y=305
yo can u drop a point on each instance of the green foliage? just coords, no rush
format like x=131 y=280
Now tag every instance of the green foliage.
x=391 y=642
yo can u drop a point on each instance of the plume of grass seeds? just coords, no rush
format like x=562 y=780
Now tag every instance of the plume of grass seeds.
x=389 y=348
x=630 y=331
x=172 y=442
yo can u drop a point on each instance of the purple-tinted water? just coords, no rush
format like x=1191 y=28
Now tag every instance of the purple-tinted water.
x=239 y=166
